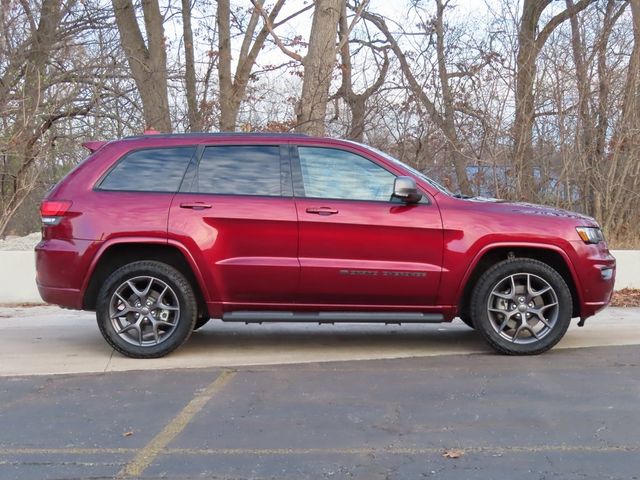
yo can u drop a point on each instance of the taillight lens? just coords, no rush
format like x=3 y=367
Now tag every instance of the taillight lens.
x=52 y=211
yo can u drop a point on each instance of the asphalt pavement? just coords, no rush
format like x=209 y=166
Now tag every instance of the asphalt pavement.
x=276 y=411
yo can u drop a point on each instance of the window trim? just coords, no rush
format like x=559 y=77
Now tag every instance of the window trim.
x=298 y=181
x=286 y=186
x=97 y=186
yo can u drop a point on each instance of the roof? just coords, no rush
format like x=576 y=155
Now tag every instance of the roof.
x=217 y=134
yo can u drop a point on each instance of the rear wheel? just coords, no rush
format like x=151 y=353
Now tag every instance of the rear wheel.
x=521 y=307
x=146 y=309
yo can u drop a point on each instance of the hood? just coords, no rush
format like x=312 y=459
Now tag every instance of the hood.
x=523 y=208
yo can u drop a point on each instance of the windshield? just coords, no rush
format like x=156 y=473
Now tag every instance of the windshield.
x=417 y=173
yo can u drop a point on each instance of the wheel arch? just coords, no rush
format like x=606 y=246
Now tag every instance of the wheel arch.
x=553 y=256
x=118 y=253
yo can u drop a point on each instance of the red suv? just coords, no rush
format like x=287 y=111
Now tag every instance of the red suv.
x=159 y=233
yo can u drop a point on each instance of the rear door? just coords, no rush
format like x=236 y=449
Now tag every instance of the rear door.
x=358 y=246
x=236 y=214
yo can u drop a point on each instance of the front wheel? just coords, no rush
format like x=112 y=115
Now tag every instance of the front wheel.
x=146 y=309
x=521 y=306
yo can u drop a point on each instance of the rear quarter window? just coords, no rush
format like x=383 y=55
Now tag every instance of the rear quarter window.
x=149 y=170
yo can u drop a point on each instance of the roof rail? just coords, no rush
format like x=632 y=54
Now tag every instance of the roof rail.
x=216 y=134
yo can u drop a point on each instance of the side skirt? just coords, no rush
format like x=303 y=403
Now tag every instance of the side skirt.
x=258 y=316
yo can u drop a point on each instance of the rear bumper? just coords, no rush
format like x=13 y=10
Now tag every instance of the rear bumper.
x=65 y=297
x=61 y=267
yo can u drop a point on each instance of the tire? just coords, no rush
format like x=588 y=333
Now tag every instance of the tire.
x=146 y=309
x=528 y=319
x=201 y=322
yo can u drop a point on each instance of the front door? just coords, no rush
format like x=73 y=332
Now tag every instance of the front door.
x=358 y=246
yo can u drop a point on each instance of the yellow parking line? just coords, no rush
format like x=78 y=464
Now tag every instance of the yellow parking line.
x=66 y=451
x=151 y=450
x=400 y=450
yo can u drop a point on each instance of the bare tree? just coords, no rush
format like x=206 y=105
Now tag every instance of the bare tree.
x=48 y=78
x=147 y=60
x=233 y=86
x=444 y=118
x=622 y=205
x=357 y=102
x=193 y=112
x=531 y=39
x=592 y=108
x=318 y=67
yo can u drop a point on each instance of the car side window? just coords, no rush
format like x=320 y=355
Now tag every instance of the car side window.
x=338 y=174
x=239 y=170
x=149 y=170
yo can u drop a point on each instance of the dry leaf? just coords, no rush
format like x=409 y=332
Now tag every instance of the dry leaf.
x=453 y=453
x=627 y=297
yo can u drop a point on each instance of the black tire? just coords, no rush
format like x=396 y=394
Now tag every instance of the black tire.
x=180 y=325
x=201 y=322
x=552 y=330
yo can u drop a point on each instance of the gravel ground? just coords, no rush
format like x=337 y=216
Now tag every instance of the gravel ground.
x=20 y=243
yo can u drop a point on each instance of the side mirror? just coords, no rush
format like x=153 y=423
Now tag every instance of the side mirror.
x=406 y=190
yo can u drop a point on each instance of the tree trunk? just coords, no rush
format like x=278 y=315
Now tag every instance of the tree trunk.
x=318 y=68
x=624 y=168
x=357 y=102
x=454 y=146
x=233 y=87
x=227 y=118
x=193 y=112
x=148 y=62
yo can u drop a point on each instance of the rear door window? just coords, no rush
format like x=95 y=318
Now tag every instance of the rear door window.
x=149 y=170
x=239 y=170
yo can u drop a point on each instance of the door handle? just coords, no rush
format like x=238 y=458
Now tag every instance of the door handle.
x=322 y=210
x=195 y=205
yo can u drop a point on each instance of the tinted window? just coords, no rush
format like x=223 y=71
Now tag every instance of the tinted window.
x=151 y=170
x=239 y=170
x=331 y=173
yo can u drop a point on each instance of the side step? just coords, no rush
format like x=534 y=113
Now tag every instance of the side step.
x=259 y=316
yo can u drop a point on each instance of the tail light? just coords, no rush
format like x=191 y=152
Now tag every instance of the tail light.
x=52 y=211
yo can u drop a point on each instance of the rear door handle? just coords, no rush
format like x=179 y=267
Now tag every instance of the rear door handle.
x=195 y=205
x=322 y=210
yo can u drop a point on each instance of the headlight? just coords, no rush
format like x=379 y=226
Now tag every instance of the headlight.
x=590 y=234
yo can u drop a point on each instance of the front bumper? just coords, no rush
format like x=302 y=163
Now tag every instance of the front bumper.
x=596 y=269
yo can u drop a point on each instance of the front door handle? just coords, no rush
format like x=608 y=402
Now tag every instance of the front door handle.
x=195 y=205
x=322 y=210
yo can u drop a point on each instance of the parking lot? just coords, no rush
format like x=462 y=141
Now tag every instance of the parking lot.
x=308 y=401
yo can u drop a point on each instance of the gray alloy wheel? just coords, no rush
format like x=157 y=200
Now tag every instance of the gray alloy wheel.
x=146 y=309
x=521 y=306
